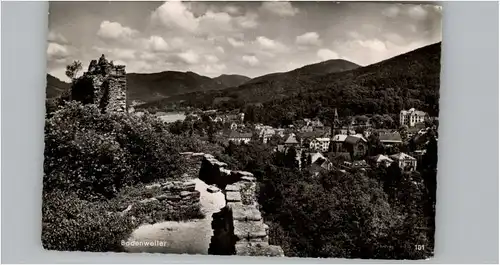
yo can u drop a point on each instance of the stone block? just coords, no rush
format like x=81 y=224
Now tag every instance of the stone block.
x=189 y=186
x=231 y=205
x=244 y=173
x=246 y=213
x=232 y=187
x=162 y=197
x=224 y=171
x=153 y=186
x=233 y=196
x=173 y=198
x=249 y=229
x=148 y=200
x=213 y=189
x=248 y=179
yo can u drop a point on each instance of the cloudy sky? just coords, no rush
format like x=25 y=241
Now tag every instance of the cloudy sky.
x=247 y=38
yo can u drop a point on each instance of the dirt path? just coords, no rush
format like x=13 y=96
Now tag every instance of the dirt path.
x=192 y=237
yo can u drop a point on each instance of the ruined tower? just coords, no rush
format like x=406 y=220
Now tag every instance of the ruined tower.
x=104 y=84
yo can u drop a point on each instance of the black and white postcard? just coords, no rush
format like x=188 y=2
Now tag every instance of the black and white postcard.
x=284 y=129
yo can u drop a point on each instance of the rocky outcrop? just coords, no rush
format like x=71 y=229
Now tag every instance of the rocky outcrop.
x=239 y=228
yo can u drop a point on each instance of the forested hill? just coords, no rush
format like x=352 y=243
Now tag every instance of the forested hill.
x=402 y=82
x=259 y=89
x=226 y=81
x=154 y=86
x=308 y=71
x=408 y=80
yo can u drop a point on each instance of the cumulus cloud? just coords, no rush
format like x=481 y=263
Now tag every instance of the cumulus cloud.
x=212 y=69
x=250 y=60
x=231 y=9
x=174 y=14
x=114 y=30
x=211 y=58
x=280 y=8
x=327 y=54
x=248 y=21
x=158 y=44
x=57 y=51
x=56 y=38
x=391 y=11
x=417 y=12
x=220 y=49
x=235 y=43
x=309 y=38
x=177 y=15
x=189 y=57
x=270 y=44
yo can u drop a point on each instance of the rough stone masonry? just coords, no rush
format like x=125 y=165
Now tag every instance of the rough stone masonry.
x=104 y=84
x=239 y=228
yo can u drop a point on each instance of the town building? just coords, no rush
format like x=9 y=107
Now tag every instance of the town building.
x=411 y=117
x=338 y=142
x=405 y=162
x=266 y=133
x=239 y=137
x=321 y=144
x=291 y=141
x=356 y=145
x=382 y=160
x=390 y=139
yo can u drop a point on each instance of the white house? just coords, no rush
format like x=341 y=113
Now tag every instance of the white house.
x=411 y=117
x=321 y=144
x=266 y=133
x=239 y=138
x=405 y=162
x=383 y=160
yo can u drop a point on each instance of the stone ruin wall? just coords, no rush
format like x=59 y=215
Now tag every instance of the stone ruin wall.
x=108 y=86
x=239 y=228
x=173 y=196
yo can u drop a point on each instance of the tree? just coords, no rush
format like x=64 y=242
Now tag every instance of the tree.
x=403 y=131
x=291 y=158
x=73 y=69
x=375 y=147
x=303 y=160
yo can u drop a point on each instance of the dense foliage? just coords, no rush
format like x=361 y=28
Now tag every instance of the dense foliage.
x=96 y=154
x=70 y=223
x=382 y=213
x=93 y=163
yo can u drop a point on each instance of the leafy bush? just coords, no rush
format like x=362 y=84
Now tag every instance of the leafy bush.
x=97 y=154
x=72 y=224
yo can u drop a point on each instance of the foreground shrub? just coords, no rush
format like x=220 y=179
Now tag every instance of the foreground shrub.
x=97 y=154
x=73 y=224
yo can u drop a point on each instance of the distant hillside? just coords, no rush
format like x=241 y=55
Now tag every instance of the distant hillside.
x=153 y=86
x=55 y=87
x=405 y=81
x=259 y=89
x=231 y=80
x=309 y=71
